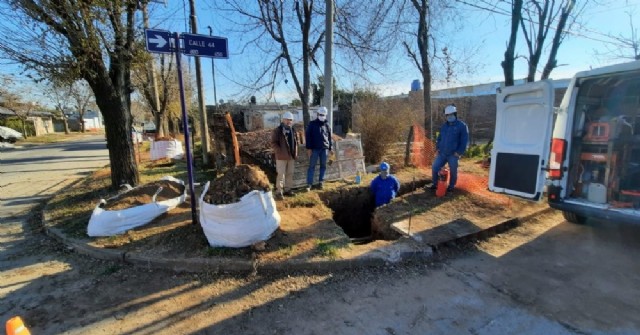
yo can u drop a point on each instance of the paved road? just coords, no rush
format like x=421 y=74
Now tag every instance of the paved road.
x=545 y=277
x=33 y=173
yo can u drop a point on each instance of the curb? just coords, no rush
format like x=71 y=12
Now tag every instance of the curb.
x=493 y=230
x=235 y=265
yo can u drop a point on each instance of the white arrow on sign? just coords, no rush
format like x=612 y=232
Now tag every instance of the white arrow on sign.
x=159 y=41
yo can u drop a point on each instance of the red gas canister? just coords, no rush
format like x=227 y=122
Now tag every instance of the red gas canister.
x=443 y=182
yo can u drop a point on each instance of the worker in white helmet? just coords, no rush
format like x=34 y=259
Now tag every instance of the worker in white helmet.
x=284 y=141
x=318 y=144
x=450 y=146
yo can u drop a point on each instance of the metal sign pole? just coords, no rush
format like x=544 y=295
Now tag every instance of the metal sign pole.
x=185 y=127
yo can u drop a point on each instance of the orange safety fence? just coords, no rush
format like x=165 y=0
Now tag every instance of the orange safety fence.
x=476 y=184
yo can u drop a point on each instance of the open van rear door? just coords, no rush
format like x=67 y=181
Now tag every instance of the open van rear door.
x=524 y=116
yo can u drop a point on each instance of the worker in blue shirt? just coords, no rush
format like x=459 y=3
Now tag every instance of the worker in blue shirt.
x=450 y=146
x=384 y=186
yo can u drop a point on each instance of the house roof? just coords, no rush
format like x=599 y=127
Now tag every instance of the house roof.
x=5 y=111
x=36 y=113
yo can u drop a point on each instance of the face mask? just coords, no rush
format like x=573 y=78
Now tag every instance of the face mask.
x=451 y=118
x=322 y=117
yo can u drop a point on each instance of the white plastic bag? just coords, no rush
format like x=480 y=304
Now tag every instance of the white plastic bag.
x=108 y=223
x=252 y=219
x=166 y=149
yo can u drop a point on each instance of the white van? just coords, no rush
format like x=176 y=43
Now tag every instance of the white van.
x=586 y=152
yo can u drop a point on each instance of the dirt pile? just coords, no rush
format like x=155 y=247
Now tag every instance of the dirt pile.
x=143 y=195
x=237 y=182
x=256 y=141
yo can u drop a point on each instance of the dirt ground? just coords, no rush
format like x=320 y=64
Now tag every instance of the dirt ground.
x=310 y=224
x=514 y=283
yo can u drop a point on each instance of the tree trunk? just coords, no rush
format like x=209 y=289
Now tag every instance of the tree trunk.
x=66 y=124
x=160 y=119
x=24 y=128
x=423 y=46
x=81 y=120
x=509 y=55
x=118 y=124
x=557 y=40
x=306 y=53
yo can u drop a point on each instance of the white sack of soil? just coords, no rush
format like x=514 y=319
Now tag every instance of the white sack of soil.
x=252 y=219
x=171 y=149
x=104 y=222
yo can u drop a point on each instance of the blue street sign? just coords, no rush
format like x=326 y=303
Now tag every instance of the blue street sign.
x=158 y=40
x=205 y=46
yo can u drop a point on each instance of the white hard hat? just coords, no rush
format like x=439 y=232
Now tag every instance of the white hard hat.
x=322 y=110
x=288 y=116
x=450 y=109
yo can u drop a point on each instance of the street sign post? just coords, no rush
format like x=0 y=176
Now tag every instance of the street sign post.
x=164 y=41
x=158 y=41
x=205 y=46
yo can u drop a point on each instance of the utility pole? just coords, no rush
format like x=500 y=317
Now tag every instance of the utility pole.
x=151 y=75
x=328 y=59
x=204 y=132
x=213 y=73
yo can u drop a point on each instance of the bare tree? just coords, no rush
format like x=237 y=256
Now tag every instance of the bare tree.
x=625 y=46
x=93 y=40
x=422 y=47
x=537 y=18
x=298 y=32
x=16 y=103
x=60 y=94
x=82 y=96
x=167 y=89
x=510 y=53
x=423 y=64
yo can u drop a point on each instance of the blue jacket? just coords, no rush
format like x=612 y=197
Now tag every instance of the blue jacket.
x=452 y=138
x=384 y=189
x=318 y=135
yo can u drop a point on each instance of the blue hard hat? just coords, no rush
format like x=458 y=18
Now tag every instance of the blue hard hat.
x=384 y=166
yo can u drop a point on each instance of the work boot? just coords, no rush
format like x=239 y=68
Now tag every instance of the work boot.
x=320 y=185
x=308 y=189
x=278 y=195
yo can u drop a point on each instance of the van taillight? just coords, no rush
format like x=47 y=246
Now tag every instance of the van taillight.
x=558 y=150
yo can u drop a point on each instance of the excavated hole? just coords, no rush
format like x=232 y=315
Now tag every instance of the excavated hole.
x=353 y=208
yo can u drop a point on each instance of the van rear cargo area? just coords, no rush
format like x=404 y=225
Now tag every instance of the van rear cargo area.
x=604 y=157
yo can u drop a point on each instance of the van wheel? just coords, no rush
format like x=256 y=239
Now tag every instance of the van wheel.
x=574 y=218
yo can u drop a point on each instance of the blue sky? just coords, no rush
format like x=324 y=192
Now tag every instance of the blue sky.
x=483 y=32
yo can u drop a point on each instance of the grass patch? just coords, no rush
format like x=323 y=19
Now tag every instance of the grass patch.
x=57 y=137
x=330 y=248
x=479 y=150
x=307 y=199
x=287 y=250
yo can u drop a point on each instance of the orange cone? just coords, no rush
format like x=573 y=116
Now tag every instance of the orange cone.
x=15 y=326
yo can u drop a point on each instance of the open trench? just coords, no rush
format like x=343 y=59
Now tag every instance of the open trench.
x=353 y=208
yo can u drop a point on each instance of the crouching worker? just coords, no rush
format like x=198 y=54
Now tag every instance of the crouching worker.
x=384 y=186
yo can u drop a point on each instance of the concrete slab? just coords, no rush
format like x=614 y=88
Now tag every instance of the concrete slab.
x=434 y=232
